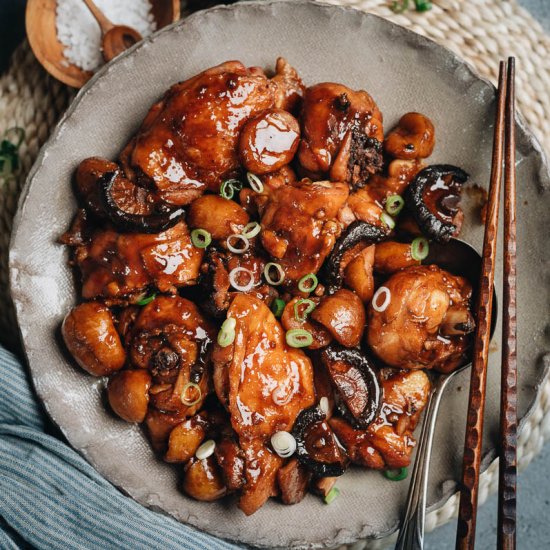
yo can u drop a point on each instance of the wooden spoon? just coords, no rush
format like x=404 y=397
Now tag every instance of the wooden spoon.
x=116 y=38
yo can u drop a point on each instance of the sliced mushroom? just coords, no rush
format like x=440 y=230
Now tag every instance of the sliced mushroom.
x=132 y=208
x=356 y=382
x=316 y=446
x=343 y=315
x=433 y=198
x=358 y=232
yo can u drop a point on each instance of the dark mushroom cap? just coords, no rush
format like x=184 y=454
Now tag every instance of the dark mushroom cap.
x=433 y=224
x=358 y=232
x=356 y=382
x=163 y=217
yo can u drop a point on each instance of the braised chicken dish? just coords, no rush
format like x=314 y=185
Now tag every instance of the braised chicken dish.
x=254 y=287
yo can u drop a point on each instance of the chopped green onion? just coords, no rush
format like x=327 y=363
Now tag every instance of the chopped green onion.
x=251 y=230
x=200 y=238
x=206 y=449
x=236 y=184
x=227 y=332
x=147 y=299
x=186 y=398
x=278 y=306
x=227 y=189
x=387 y=219
x=420 y=249
x=310 y=306
x=280 y=271
x=235 y=238
x=304 y=284
x=396 y=475
x=399 y=6
x=298 y=338
x=423 y=5
x=332 y=495
x=394 y=204
x=255 y=182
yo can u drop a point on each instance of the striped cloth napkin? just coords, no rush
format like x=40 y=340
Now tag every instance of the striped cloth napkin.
x=50 y=497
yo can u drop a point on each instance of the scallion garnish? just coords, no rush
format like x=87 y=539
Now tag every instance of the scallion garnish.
x=251 y=230
x=420 y=249
x=396 y=475
x=228 y=188
x=147 y=299
x=273 y=266
x=308 y=283
x=278 y=306
x=200 y=238
x=394 y=204
x=255 y=182
x=186 y=394
x=332 y=495
x=310 y=306
x=386 y=219
x=227 y=332
x=298 y=338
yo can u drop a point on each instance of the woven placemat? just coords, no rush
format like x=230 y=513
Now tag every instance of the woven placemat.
x=485 y=32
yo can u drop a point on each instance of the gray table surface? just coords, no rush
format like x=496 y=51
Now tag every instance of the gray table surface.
x=534 y=484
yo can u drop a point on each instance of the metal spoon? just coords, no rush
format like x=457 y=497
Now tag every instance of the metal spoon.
x=116 y=38
x=458 y=258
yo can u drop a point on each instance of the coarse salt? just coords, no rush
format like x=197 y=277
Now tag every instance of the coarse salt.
x=80 y=34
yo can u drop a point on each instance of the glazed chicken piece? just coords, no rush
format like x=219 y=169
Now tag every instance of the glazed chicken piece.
x=171 y=339
x=422 y=319
x=342 y=134
x=288 y=86
x=388 y=442
x=188 y=140
x=264 y=384
x=120 y=266
x=299 y=225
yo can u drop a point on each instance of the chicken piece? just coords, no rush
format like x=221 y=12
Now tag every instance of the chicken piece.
x=186 y=438
x=358 y=273
x=120 y=266
x=412 y=138
x=422 y=319
x=172 y=340
x=231 y=458
x=299 y=225
x=288 y=87
x=216 y=284
x=294 y=317
x=388 y=442
x=342 y=134
x=91 y=337
x=188 y=140
x=293 y=479
x=267 y=384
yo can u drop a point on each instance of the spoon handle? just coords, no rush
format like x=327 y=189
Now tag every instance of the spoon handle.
x=104 y=22
x=411 y=533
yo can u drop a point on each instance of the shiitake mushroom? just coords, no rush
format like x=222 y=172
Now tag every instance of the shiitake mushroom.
x=358 y=232
x=356 y=382
x=147 y=216
x=316 y=445
x=433 y=196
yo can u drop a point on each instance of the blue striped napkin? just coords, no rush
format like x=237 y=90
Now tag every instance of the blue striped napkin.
x=50 y=497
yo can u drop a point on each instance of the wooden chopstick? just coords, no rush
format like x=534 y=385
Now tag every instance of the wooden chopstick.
x=465 y=537
x=508 y=388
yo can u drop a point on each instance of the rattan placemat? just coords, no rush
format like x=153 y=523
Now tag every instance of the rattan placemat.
x=480 y=31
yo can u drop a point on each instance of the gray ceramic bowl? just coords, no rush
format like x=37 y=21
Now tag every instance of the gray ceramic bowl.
x=404 y=72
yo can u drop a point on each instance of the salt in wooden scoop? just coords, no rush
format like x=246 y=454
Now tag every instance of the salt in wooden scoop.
x=116 y=38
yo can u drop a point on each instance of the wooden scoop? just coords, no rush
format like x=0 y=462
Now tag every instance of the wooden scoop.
x=116 y=38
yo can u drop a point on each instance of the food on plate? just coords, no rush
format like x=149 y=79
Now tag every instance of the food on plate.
x=254 y=284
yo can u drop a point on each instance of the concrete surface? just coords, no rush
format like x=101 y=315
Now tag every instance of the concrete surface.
x=534 y=483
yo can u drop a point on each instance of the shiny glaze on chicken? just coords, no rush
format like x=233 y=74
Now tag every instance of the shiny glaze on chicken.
x=252 y=289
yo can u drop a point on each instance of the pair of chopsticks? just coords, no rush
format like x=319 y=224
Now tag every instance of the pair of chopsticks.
x=504 y=149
